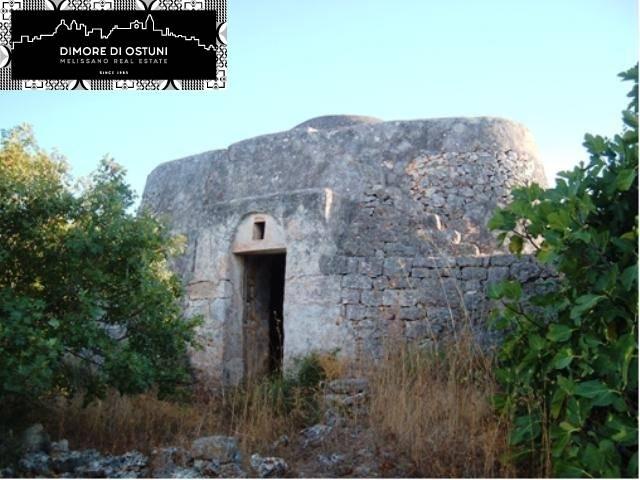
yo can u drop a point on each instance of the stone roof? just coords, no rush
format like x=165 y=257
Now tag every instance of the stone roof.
x=331 y=122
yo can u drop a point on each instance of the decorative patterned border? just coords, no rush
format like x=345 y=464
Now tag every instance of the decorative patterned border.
x=7 y=83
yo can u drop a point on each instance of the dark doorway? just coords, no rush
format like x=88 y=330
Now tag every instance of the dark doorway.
x=263 y=313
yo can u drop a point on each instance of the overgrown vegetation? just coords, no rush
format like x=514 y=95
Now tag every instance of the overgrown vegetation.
x=435 y=403
x=430 y=406
x=86 y=299
x=257 y=414
x=569 y=362
x=89 y=309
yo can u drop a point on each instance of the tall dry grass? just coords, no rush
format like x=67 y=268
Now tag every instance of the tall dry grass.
x=256 y=415
x=432 y=404
x=435 y=403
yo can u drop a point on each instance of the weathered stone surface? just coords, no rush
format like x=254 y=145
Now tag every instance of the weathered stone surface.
x=439 y=262
x=359 y=312
x=220 y=448
x=524 y=271
x=36 y=464
x=399 y=281
x=7 y=472
x=370 y=266
x=372 y=298
x=351 y=296
x=370 y=214
x=315 y=434
x=331 y=460
x=474 y=273
x=497 y=274
x=397 y=266
x=268 y=467
x=356 y=281
x=503 y=260
x=169 y=462
x=231 y=470
x=410 y=313
x=472 y=261
x=200 y=290
x=85 y=463
x=35 y=439
x=400 y=297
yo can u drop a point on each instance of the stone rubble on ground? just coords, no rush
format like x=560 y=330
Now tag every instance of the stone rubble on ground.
x=268 y=467
x=332 y=418
x=218 y=447
x=315 y=434
x=346 y=393
x=282 y=441
x=220 y=457
x=209 y=457
x=349 y=386
x=331 y=460
x=88 y=463
x=35 y=439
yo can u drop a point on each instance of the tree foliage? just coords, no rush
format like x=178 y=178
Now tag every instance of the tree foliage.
x=86 y=297
x=569 y=363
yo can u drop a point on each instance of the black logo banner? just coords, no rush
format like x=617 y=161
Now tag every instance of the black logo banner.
x=113 y=44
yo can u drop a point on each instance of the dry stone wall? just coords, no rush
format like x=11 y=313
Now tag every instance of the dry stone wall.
x=384 y=226
x=423 y=297
x=464 y=188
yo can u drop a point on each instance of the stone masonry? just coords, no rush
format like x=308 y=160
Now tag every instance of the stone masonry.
x=383 y=225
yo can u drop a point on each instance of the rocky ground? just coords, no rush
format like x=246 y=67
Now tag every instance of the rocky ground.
x=341 y=446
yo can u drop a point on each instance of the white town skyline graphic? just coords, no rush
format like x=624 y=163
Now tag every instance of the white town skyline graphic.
x=148 y=24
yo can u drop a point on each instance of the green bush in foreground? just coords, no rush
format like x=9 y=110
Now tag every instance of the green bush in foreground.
x=86 y=298
x=569 y=363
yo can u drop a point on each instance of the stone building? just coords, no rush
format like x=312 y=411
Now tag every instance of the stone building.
x=340 y=233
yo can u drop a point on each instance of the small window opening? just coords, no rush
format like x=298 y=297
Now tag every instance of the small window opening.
x=258 y=230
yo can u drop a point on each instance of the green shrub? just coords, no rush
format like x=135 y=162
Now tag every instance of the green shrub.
x=569 y=362
x=309 y=371
x=86 y=298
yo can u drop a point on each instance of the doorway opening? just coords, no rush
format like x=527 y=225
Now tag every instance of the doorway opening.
x=264 y=277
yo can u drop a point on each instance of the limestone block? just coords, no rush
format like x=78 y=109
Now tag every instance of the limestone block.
x=422 y=272
x=370 y=266
x=371 y=297
x=472 y=261
x=434 y=262
x=400 y=281
x=497 y=274
x=359 y=312
x=313 y=289
x=474 y=273
x=411 y=313
x=402 y=298
x=356 y=281
x=503 y=260
x=524 y=271
x=217 y=447
x=397 y=266
x=350 y=296
x=200 y=290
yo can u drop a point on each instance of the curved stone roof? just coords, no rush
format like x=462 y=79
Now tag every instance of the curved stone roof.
x=330 y=122
x=457 y=168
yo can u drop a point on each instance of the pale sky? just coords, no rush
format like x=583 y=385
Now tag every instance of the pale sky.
x=550 y=65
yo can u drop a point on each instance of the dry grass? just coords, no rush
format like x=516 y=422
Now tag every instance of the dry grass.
x=333 y=366
x=433 y=406
x=257 y=415
x=436 y=405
